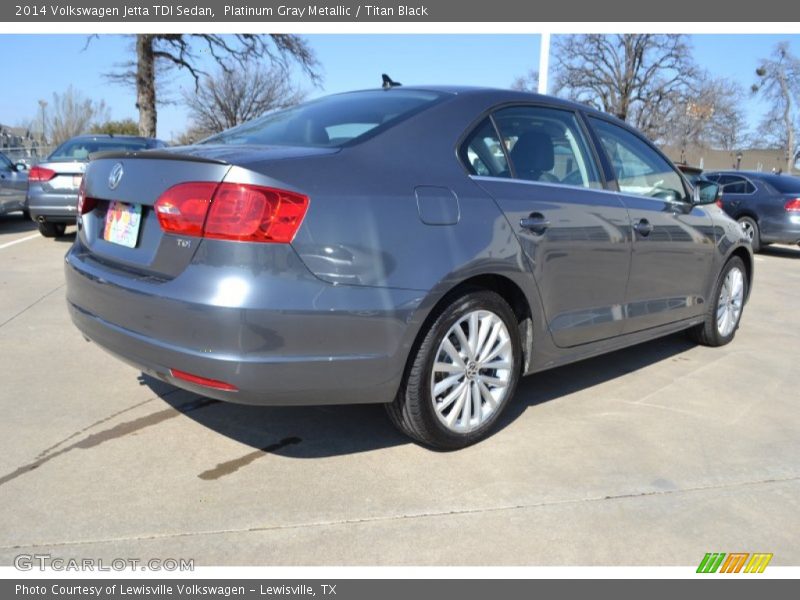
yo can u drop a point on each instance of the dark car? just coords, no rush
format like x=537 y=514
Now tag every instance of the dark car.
x=765 y=204
x=418 y=247
x=52 y=195
x=13 y=184
x=693 y=174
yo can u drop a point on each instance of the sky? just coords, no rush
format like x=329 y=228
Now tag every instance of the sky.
x=40 y=64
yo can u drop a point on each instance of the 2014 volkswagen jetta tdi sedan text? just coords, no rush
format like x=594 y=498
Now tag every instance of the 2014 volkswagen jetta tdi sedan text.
x=419 y=247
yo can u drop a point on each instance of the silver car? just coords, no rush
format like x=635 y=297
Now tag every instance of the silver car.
x=418 y=247
x=13 y=185
x=52 y=195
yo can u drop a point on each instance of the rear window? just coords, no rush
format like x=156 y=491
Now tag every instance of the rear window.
x=80 y=149
x=785 y=184
x=330 y=121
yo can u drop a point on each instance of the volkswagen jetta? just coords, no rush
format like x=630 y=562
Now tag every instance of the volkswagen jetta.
x=418 y=247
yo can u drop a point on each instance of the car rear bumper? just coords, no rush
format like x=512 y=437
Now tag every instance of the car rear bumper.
x=297 y=341
x=52 y=207
x=785 y=230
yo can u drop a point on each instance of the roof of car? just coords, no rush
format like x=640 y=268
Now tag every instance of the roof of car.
x=500 y=95
x=97 y=136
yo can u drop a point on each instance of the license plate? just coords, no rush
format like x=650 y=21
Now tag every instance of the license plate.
x=122 y=224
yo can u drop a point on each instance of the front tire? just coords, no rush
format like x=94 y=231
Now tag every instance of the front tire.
x=724 y=314
x=462 y=375
x=751 y=230
x=52 y=230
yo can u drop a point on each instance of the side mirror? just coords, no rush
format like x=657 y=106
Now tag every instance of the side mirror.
x=705 y=192
x=21 y=166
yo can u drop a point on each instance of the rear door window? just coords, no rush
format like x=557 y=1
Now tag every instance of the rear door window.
x=547 y=145
x=482 y=152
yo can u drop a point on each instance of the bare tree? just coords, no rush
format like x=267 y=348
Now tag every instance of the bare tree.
x=640 y=78
x=728 y=129
x=232 y=96
x=779 y=84
x=527 y=83
x=71 y=114
x=183 y=51
x=709 y=116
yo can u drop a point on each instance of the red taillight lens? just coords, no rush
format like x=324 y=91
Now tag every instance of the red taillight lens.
x=718 y=201
x=793 y=205
x=231 y=211
x=85 y=205
x=204 y=381
x=255 y=214
x=183 y=207
x=38 y=173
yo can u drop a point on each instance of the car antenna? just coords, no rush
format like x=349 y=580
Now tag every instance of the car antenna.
x=388 y=83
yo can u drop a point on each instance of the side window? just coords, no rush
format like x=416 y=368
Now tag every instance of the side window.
x=749 y=188
x=640 y=170
x=547 y=144
x=734 y=185
x=482 y=153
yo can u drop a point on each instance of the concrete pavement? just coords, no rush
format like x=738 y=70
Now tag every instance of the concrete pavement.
x=653 y=455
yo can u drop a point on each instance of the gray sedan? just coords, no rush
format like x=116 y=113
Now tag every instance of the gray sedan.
x=418 y=247
x=13 y=184
x=52 y=196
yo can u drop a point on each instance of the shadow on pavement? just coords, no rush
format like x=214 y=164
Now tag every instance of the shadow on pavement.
x=15 y=223
x=314 y=431
x=782 y=251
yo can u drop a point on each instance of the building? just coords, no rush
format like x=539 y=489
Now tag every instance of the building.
x=753 y=159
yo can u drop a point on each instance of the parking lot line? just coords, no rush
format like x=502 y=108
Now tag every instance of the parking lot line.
x=19 y=241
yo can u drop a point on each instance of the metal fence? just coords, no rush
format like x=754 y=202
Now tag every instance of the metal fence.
x=29 y=155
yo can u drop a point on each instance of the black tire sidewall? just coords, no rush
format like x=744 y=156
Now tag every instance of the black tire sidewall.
x=756 y=242
x=426 y=355
x=720 y=340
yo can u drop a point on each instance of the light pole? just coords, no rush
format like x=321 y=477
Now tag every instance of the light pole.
x=43 y=105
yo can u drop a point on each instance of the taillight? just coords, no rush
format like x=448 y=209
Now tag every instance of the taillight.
x=718 y=201
x=231 y=211
x=182 y=208
x=38 y=173
x=85 y=205
x=205 y=381
x=793 y=205
x=252 y=213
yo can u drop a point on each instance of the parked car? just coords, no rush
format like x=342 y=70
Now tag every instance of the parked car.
x=13 y=184
x=693 y=174
x=419 y=247
x=765 y=204
x=53 y=184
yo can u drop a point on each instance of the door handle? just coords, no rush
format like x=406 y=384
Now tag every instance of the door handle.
x=534 y=222
x=643 y=227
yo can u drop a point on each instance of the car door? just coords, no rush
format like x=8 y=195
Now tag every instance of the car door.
x=738 y=194
x=536 y=163
x=673 y=240
x=12 y=186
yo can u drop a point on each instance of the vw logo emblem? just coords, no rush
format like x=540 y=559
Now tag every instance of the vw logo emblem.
x=115 y=176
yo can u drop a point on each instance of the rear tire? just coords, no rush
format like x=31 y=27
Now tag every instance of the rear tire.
x=462 y=375
x=724 y=314
x=750 y=227
x=52 y=230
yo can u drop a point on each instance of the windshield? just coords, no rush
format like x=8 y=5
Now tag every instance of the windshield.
x=81 y=148
x=330 y=121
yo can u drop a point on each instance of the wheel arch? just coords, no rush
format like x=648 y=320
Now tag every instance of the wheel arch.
x=501 y=284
